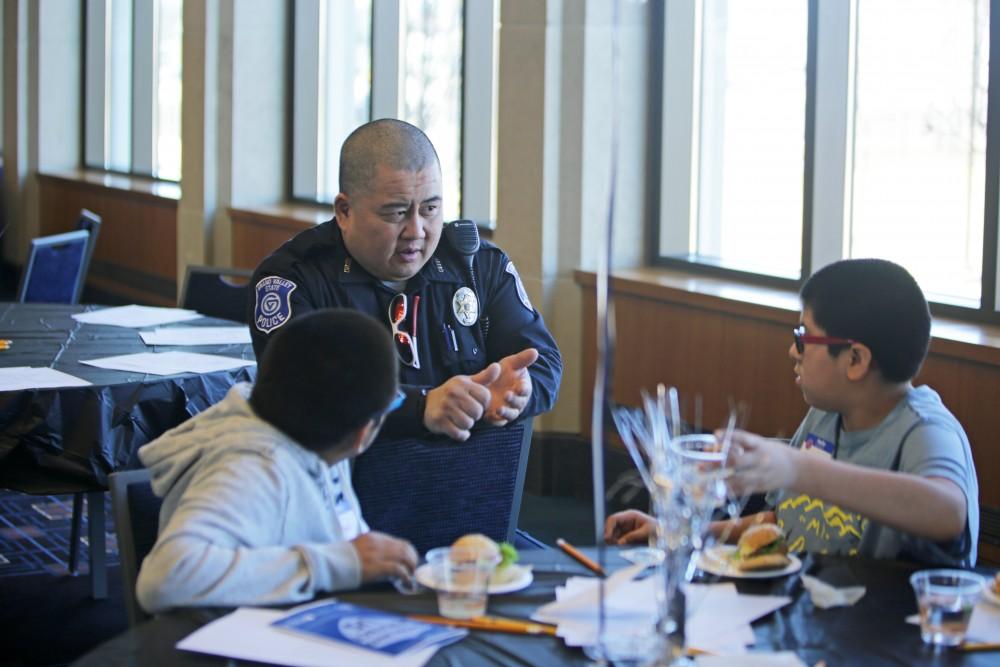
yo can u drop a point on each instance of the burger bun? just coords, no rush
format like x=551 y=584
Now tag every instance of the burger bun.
x=757 y=537
x=766 y=562
x=479 y=545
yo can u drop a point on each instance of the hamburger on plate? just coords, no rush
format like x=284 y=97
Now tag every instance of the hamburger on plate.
x=504 y=555
x=761 y=547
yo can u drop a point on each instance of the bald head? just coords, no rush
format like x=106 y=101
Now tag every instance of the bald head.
x=387 y=142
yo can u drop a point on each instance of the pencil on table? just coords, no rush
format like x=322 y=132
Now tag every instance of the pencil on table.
x=494 y=623
x=979 y=646
x=579 y=557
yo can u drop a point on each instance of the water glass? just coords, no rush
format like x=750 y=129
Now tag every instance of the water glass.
x=945 y=599
x=461 y=578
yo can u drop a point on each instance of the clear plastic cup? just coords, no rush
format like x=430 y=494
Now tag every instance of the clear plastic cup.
x=461 y=578
x=945 y=599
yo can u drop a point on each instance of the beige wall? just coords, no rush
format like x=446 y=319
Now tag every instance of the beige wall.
x=555 y=152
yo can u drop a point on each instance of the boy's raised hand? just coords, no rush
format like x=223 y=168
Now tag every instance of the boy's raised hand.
x=761 y=464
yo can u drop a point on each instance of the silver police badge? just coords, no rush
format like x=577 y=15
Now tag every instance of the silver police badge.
x=465 y=306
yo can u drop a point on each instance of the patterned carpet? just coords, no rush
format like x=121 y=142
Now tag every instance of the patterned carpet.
x=35 y=535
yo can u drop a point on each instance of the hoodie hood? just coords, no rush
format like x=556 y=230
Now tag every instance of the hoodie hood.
x=227 y=426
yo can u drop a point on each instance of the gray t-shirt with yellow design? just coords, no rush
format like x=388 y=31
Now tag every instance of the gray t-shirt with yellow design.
x=921 y=437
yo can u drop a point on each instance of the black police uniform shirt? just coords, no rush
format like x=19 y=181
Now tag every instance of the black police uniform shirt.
x=314 y=270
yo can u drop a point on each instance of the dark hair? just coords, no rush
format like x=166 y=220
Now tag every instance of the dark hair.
x=325 y=374
x=877 y=303
x=393 y=143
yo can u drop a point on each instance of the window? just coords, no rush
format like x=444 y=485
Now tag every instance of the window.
x=432 y=86
x=402 y=60
x=919 y=141
x=798 y=133
x=132 y=94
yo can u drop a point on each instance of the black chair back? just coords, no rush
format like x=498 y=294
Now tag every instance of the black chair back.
x=432 y=493
x=137 y=518
x=217 y=292
x=56 y=269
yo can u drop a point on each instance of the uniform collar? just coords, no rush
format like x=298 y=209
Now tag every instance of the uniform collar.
x=440 y=268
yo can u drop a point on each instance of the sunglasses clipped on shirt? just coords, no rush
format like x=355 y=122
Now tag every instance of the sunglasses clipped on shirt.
x=802 y=339
x=405 y=341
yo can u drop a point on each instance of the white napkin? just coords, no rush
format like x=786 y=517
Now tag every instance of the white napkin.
x=780 y=659
x=825 y=596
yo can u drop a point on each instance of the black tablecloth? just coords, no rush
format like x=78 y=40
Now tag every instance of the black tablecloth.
x=78 y=435
x=873 y=632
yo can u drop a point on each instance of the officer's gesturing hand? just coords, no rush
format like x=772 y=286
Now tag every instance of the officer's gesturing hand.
x=510 y=392
x=453 y=407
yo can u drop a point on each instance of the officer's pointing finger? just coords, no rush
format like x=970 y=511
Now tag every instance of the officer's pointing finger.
x=523 y=359
x=488 y=375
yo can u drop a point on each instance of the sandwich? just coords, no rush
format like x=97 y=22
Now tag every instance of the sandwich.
x=503 y=554
x=761 y=547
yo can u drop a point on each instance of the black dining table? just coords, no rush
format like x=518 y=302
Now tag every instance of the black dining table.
x=69 y=439
x=872 y=632
x=81 y=434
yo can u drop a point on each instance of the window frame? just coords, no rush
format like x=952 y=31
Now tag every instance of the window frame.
x=827 y=155
x=107 y=139
x=478 y=129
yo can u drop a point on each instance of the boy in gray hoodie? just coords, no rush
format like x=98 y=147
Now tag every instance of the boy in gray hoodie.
x=258 y=507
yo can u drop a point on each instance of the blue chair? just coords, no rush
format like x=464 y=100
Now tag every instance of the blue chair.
x=137 y=520
x=433 y=492
x=55 y=272
x=56 y=269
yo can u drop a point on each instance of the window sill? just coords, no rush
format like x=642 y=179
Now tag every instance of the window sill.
x=138 y=185
x=285 y=213
x=958 y=339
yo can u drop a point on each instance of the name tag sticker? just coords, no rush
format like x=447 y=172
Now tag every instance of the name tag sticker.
x=817 y=445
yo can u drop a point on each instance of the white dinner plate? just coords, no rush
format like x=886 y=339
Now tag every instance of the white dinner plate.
x=991 y=595
x=522 y=578
x=717 y=560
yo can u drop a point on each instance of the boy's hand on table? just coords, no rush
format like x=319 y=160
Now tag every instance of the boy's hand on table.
x=629 y=527
x=383 y=556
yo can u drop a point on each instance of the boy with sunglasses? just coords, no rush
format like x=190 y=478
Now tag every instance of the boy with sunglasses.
x=257 y=501
x=878 y=467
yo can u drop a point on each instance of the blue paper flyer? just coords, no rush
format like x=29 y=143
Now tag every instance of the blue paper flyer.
x=367 y=628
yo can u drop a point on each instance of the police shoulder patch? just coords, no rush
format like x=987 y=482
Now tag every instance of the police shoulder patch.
x=522 y=293
x=274 y=303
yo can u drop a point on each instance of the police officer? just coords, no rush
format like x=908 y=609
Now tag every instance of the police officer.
x=470 y=344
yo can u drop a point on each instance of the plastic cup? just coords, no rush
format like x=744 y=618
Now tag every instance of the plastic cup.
x=461 y=579
x=945 y=599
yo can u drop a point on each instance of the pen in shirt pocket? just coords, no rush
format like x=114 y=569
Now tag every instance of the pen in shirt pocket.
x=449 y=336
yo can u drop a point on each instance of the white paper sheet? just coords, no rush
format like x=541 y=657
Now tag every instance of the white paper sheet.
x=25 y=377
x=196 y=336
x=136 y=316
x=246 y=634
x=168 y=363
x=780 y=659
x=718 y=617
x=984 y=626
